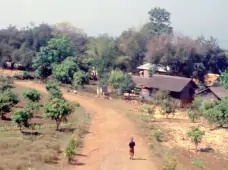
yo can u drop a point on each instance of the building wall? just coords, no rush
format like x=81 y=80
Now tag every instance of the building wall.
x=186 y=92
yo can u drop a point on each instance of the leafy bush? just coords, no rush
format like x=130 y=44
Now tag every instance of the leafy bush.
x=32 y=108
x=80 y=78
x=70 y=149
x=193 y=115
x=54 y=91
x=157 y=133
x=196 y=135
x=127 y=85
x=167 y=108
x=116 y=78
x=58 y=110
x=21 y=117
x=7 y=100
x=32 y=95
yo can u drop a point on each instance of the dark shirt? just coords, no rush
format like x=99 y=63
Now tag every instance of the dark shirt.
x=132 y=144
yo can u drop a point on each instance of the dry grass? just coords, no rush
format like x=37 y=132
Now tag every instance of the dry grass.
x=44 y=151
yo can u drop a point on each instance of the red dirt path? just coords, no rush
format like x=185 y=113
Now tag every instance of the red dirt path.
x=106 y=147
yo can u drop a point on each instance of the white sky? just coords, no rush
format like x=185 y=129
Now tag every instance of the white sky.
x=189 y=17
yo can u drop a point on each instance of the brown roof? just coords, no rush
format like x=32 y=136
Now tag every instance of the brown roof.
x=219 y=91
x=163 y=82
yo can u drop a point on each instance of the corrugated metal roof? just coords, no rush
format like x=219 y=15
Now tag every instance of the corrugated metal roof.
x=148 y=66
x=163 y=82
x=219 y=91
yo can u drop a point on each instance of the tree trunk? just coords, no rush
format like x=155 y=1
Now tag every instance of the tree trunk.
x=57 y=125
x=196 y=146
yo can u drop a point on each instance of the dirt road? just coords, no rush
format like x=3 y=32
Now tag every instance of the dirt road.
x=106 y=147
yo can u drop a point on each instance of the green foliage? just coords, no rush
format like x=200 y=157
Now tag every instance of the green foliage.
x=167 y=107
x=80 y=78
x=127 y=85
x=223 y=81
x=5 y=104
x=216 y=112
x=161 y=95
x=58 y=110
x=54 y=91
x=64 y=71
x=13 y=98
x=21 y=117
x=196 y=136
x=7 y=100
x=197 y=103
x=157 y=133
x=32 y=107
x=198 y=163
x=32 y=95
x=70 y=149
x=116 y=78
x=193 y=115
x=159 y=21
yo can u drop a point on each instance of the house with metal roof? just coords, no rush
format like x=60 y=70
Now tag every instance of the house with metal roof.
x=213 y=93
x=178 y=87
x=144 y=69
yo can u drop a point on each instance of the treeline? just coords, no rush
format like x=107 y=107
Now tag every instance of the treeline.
x=62 y=47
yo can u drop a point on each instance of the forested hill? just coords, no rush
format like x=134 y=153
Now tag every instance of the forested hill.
x=46 y=47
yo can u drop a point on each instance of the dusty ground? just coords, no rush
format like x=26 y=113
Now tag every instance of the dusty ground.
x=10 y=73
x=106 y=147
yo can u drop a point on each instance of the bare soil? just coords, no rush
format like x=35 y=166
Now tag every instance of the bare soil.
x=106 y=146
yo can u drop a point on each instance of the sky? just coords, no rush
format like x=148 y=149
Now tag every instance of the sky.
x=95 y=17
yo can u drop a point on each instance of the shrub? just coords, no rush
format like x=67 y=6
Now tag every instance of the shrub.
x=193 y=115
x=54 y=91
x=196 y=136
x=58 y=110
x=70 y=149
x=21 y=117
x=167 y=108
x=32 y=95
x=157 y=133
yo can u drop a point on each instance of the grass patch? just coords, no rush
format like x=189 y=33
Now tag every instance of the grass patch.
x=43 y=151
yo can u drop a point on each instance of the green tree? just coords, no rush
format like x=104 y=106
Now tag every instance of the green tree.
x=196 y=135
x=32 y=95
x=64 y=72
x=127 y=85
x=159 y=21
x=5 y=104
x=70 y=149
x=32 y=107
x=193 y=115
x=57 y=50
x=7 y=100
x=167 y=107
x=80 y=78
x=104 y=51
x=58 y=110
x=21 y=117
x=54 y=91
x=116 y=78
x=216 y=113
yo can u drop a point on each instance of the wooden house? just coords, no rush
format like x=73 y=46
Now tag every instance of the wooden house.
x=213 y=93
x=179 y=87
x=144 y=69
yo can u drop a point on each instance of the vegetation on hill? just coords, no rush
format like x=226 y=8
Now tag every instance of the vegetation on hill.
x=62 y=49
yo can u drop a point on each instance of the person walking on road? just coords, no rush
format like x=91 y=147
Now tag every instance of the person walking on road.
x=132 y=145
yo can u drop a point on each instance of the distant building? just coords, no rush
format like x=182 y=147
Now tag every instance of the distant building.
x=144 y=69
x=179 y=87
x=213 y=93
